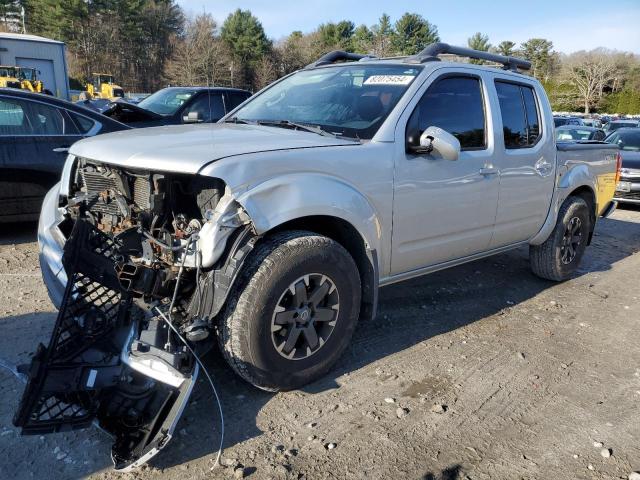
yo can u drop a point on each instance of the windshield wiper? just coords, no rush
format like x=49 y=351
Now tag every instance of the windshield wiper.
x=297 y=126
x=239 y=120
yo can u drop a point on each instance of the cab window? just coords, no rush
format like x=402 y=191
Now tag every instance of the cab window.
x=208 y=107
x=456 y=105
x=520 y=115
x=235 y=99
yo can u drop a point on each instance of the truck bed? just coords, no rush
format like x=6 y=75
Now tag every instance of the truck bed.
x=592 y=159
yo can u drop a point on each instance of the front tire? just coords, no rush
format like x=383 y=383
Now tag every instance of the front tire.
x=292 y=312
x=559 y=256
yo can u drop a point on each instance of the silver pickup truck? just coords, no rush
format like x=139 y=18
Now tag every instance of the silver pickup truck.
x=273 y=230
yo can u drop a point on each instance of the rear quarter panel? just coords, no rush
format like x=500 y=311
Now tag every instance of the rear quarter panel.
x=589 y=164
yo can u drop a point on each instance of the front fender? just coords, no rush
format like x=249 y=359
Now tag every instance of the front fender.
x=290 y=197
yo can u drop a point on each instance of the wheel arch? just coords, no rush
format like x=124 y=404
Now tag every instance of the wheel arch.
x=583 y=189
x=588 y=195
x=348 y=236
x=326 y=205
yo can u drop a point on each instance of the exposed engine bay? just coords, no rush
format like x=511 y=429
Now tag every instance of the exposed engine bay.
x=149 y=258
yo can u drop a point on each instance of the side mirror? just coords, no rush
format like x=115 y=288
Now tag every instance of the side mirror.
x=192 y=117
x=436 y=141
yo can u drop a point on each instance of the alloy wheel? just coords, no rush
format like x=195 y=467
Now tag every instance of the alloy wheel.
x=305 y=316
x=571 y=240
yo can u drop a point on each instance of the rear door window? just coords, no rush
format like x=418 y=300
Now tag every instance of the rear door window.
x=456 y=105
x=44 y=119
x=520 y=115
x=13 y=120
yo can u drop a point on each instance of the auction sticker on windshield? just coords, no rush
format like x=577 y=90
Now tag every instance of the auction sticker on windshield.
x=389 y=80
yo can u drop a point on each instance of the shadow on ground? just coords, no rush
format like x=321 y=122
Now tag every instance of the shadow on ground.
x=18 y=233
x=450 y=473
x=450 y=299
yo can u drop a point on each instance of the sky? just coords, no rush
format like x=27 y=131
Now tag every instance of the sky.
x=571 y=25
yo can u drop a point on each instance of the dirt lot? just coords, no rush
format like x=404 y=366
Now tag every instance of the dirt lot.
x=479 y=372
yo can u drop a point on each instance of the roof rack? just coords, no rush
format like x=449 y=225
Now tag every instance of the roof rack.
x=338 y=56
x=431 y=52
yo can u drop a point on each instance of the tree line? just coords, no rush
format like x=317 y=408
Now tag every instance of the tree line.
x=148 y=44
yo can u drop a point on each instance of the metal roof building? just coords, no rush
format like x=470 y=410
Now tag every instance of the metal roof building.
x=44 y=54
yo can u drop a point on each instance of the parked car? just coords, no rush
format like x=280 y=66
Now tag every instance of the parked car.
x=96 y=104
x=616 y=124
x=592 y=122
x=560 y=121
x=570 y=132
x=36 y=132
x=628 y=188
x=273 y=229
x=178 y=105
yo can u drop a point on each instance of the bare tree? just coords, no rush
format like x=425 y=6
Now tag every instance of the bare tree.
x=265 y=72
x=588 y=73
x=200 y=58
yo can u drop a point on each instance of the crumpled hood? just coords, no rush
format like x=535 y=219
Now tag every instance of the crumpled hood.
x=188 y=148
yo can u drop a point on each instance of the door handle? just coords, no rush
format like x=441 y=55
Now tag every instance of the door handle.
x=61 y=150
x=486 y=171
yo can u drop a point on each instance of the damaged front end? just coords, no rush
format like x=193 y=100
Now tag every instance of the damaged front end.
x=142 y=248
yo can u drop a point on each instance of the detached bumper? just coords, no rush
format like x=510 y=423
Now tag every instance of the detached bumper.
x=50 y=243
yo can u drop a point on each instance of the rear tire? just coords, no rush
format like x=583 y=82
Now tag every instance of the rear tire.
x=560 y=255
x=293 y=311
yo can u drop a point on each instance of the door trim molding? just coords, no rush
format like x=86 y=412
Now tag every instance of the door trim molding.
x=451 y=263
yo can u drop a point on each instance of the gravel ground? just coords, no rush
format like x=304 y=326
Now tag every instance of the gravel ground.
x=482 y=371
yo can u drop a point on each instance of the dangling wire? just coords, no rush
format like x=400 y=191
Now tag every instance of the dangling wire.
x=175 y=330
x=206 y=372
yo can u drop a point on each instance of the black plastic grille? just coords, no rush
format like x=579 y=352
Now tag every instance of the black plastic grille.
x=93 y=305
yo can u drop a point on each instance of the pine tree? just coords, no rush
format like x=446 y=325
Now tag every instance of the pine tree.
x=244 y=36
x=413 y=33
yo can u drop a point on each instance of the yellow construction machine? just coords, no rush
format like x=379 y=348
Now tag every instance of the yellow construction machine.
x=103 y=85
x=28 y=77
x=9 y=77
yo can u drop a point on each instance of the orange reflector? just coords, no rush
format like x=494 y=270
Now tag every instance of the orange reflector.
x=618 y=166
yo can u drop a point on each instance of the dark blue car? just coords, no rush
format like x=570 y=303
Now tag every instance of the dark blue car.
x=177 y=105
x=35 y=133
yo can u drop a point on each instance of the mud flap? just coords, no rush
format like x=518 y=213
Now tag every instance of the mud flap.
x=88 y=372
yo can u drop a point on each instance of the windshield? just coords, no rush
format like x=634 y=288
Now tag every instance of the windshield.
x=28 y=73
x=167 y=101
x=629 y=140
x=350 y=100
